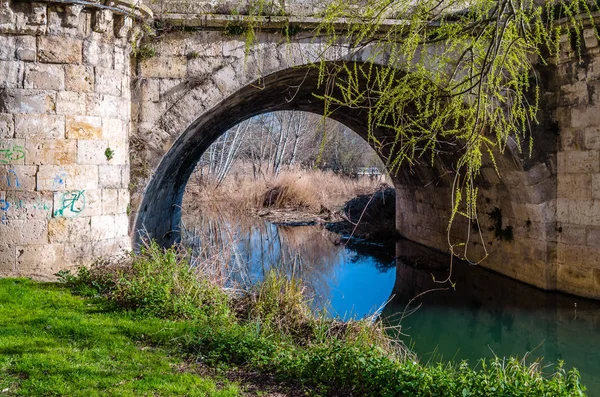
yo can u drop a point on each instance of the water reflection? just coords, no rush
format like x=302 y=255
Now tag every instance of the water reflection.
x=486 y=315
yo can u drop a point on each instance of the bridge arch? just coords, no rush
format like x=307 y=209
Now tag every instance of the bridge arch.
x=187 y=101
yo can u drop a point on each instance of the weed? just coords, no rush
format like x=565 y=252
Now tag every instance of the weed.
x=192 y=55
x=503 y=234
x=109 y=154
x=235 y=28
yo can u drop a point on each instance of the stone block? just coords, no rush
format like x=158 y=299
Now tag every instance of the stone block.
x=83 y=127
x=59 y=49
x=125 y=176
x=596 y=186
x=70 y=204
x=585 y=117
x=575 y=279
x=122 y=225
x=24 y=232
x=64 y=230
x=40 y=260
x=93 y=200
x=108 y=81
x=52 y=177
x=102 y=21
x=103 y=227
x=575 y=162
x=83 y=177
x=12 y=74
x=590 y=38
x=7 y=261
x=27 y=101
x=110 y=201
x=29 y=205
x=111 y=248
x=122 y=26
x=39 y=126
x=167 y=68
x=7 y=126
x=12 y=151
x=115 y=131
x=44 y=76
x=98 y=54
x=574 y=94
x=7 y=48
x=593 y=239
x=51 y=151
x=18 y=177
x=124 y=201
x=107 y=106
x=26 y=48
x=149 y=90
x=71 y=103
x=92 y=151
x=109 y=176
x=571 y=234
x=71 y=17
x=574 y=186
x=79 y=78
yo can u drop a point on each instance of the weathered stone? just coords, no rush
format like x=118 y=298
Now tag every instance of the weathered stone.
x=103 y=227
x=24 y=232
x=590 y=38
x=7 y=261
x=79 y=78
x=7 y=48
x=98 y=54
x=40 y=260
x=51 y=151
x=29 y=205
x=109 y=176
x=17 y=177
x=83 y=177
x=12 y=74
x=54 y=49
x=52 y=177
x=122 y=26
x=575 y=186
x=83 y=127
x=44 y=76
x=92 y=151
x=72 y=13
x=26 y=48
x=39 y=126
x=65 y=230
x=596 y=186
x=26 y=101
x=71 y=103
x=110 y=201
x=102 y=21
x=108 y=82
x=166 y=68
x=574 y=162
x=7 y=127
x=107 y=106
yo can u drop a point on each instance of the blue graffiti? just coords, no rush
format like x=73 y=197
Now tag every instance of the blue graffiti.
x=4 y=205
x=59 y=179
x=16 y=178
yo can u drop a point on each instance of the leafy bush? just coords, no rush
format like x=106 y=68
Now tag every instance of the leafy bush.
x=157 y=281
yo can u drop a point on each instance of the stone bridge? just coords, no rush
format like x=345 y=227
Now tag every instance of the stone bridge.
x=96 y=145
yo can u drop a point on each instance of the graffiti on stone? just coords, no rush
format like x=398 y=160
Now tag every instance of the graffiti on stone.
x=59 y=180
x=12 y=175
x=71 y=204
x=10 y=153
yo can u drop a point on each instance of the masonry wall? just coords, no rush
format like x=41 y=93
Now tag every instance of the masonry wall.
x=64 y=131
x=577 y=84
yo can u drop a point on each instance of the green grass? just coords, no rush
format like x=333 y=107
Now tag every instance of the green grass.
x=55 y=343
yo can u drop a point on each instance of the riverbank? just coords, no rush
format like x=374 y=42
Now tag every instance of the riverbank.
x=145 y=326
x=362 y=208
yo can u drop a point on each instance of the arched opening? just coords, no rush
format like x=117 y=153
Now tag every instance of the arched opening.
x=159 y=214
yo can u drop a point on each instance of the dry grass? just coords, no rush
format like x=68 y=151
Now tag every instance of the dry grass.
x=307 y=190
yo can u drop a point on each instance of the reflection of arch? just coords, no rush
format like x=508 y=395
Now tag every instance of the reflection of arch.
x=290 y=89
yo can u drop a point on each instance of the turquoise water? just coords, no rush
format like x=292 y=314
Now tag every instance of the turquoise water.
x=486 y=315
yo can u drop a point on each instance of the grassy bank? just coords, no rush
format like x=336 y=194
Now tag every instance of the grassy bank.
x=148 y=316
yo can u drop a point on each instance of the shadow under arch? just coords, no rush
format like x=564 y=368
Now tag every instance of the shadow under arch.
x=159 y=214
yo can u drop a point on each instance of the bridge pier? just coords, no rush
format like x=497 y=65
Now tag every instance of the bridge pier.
x=64 y=135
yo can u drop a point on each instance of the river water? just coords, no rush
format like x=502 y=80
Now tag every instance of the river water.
x=485 y=315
